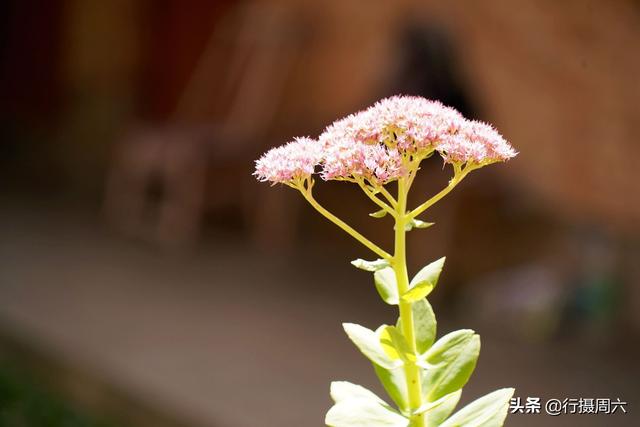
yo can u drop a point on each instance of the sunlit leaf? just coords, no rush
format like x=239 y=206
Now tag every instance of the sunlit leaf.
x=395 y=344
x=370 y=265
x=368 y=342
x=424 y=323
x=429 y=273
x=421 y=224
x=436 y=412
x=361 y=412
x=487 y=411
x=418 y=292
x=343 y=390
x=452 y=359
x=385 y=280
x=395 y=383
x=387 y=343
x=416 y=223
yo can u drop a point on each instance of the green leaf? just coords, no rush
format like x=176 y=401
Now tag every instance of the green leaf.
x=421 y=224
x=394 y=382
x=436 y=412
x=387 y=343
x=357 y=406
x=424 y=322
x=450 y=362
x=418 y=292
x=429 y=274
x=378 y=214
x=360 y=412
x=395 y=344
x=385 y=280
x=416 y=223
x=487 y=411
x=368 y=342
x=343 y=390
x=445 y=406
x=370 y=265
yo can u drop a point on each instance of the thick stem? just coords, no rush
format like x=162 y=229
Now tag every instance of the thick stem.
x=412 y=371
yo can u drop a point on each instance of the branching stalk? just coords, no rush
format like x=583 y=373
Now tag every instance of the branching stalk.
x=306 y=193
x=388 y=196
x=370 y=194
x=457 y=177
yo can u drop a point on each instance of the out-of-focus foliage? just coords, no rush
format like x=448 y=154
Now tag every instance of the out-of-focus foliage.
x=26 y=403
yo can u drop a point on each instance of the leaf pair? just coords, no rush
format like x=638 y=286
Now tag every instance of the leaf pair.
x=387 y=346
x=388 y=349
x=446 y=365
x=408 y=226
x=386 y=285
x=420 y=286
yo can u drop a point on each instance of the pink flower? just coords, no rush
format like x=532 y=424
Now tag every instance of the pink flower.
x=296 y=159
x=475 y=142
x=347 y=156
x=413 y=123
x=412 y=126
x=375 y=144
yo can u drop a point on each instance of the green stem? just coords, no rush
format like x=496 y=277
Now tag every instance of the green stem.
x=412 y=371
x=370 y=194
x=457 y=177
x=388 y=196
x=343 y=225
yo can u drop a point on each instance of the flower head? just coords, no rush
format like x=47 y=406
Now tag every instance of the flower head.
x=376 y=144
x=296 y=159
x=475 y=142
x=412 y=123
x=413 y=126
x=345 y=159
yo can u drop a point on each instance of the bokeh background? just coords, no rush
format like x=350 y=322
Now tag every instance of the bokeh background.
x=146 y=279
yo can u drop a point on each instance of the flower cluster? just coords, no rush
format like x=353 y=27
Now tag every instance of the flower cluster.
x=296 y=159
x=373 y=144
x=411 y=123
x=475 y=142
x=345 y=159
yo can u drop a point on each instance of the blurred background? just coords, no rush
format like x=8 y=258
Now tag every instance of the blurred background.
x=146 y=279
